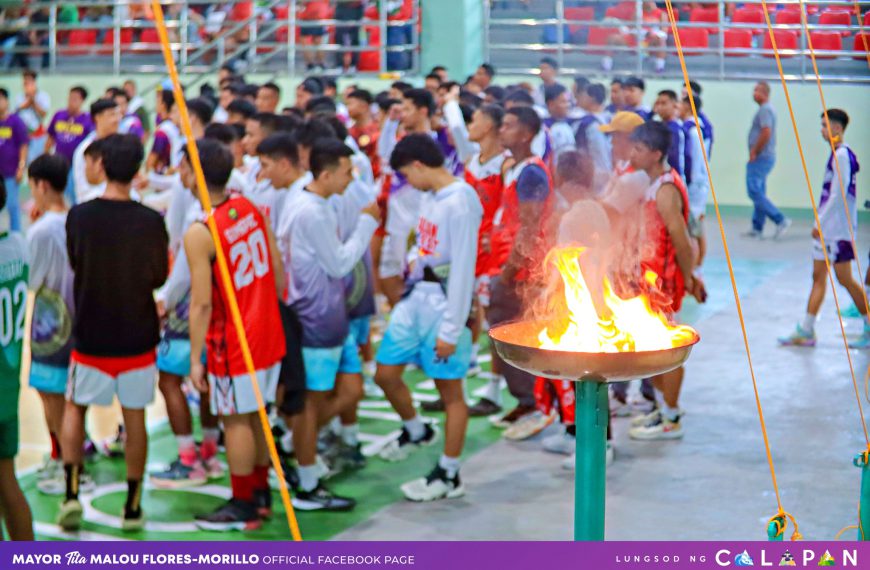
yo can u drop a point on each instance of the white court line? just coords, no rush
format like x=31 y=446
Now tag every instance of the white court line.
x=426 y=385
x=53 y=531
x=424 y=397
x=374 y=404
x=378 y=443
x=375 y=415
x=484 y=358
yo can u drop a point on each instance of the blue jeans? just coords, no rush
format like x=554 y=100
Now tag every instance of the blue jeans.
x=757 y=172
x=12 y=204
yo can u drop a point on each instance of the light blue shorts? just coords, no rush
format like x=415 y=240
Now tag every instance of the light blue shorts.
x=359 y=330
x=173 y=356
x=323 y=364
x=47 y=378
x=413 y=332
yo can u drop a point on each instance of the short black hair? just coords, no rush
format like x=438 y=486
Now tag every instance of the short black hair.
x=838 y=116
x=438 y=68
x=419 y=147
x=580 y=82
x=550 y=61
x=698 y=101
x=695 y=87
x=327 y=155
x=293 y=112
x=223 y=133
x=288 y=123
x=655 y=135
x=312 y=85
x=95 y=149
x=29 y=73
x=249 y=90
x=272 y=87
x=321 y=104
x=328 y=83
x=385 y=103
x=632 y=81
x=53 y=168
x=497 y=92
x=669 y=93
x=616 y=81
x=488 y=69
x=278 y=146
x=527 y=117
x=575 y=165
x=201 y=109
x=421 y=99
x=118 y=92
x=268 y=122
x=434 y=76
x=313 y=130
x=401 y=86
x=216 y=161
x=494 y=112
x=467 y=112
x=362 y=95
x=122 y=157
x=80 y=90
x=597 y=92
x=101 y=106
x=4 y=93
x=167 y=97
x=519 y=97
x=552 y=92
x=242 y=107
x=338 y=126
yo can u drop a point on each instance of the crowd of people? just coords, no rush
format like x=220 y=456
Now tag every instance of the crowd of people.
x=425 y=213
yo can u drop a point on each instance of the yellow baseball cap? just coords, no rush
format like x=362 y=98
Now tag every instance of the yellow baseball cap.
x=622 y=122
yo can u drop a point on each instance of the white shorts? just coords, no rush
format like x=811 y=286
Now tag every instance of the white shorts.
x=231 y=395
x=91 y=386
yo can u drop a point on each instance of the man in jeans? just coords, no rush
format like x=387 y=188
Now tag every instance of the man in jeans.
x=762 y=155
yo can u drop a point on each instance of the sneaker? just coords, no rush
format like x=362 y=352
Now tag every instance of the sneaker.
x=232 y=515
x=851 y=312
x=569 y=463
x=660 y=428
x=327 y=441
x=113 y=446
x=862 y=341
x=180 y=476
x=782 y=228
x=263 y=502
x=401 y=447
x=563 y=443
x=433 y=406
x=530 y=425
x=799 y=337
x=436 y=485
x=347 y=458
x=89 y=449
x=619 y=409
x=291 y=476
x=132 y=521
x=283 y=439
x=321 y=499
x=474 y=367
x=214 y=469
x=484 y=407
x=753 y=233
x=372 y=390
x=50 y=478
x=57 y=485
x=512 y=416
x=49 y=469
x=646 y=418
x=70 y=515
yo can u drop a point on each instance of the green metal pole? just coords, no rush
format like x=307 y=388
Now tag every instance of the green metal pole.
x=773 y=533
x=864 y=504
x=590 y=471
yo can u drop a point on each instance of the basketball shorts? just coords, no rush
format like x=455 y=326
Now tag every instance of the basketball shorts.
x=359 y=330
x=292 y=377
x=48 y=379
x=95 y=380
x=323 y=364
x=9 y=437
x=232 y=395
x=838 y=252
x=173 y=356
x=413 y=331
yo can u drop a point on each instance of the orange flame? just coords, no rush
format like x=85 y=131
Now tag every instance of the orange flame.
x=612 y=324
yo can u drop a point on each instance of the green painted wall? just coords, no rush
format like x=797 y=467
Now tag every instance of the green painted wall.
x=729 y=105
x=452 y=36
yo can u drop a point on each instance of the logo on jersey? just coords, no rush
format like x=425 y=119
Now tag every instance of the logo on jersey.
x=233 y=214
x=427 y=237
x=52 y=324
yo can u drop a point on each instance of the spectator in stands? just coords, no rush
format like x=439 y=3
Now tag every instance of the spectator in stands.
x=347 y=35
x=762 y=156
x=32 y=105
x=313 y=34
x=13 y=157
x=441 y=71
x=268 y=98
x=239 y=111
x=431 y=84
x=655 y=28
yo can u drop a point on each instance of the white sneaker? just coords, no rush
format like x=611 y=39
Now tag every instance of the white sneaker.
x=659 y=428
x=781 y=228
x=529 y=425
x=50 y=478
x=400 y=448
x=569 y=462
x=50 y=468
x=436 y=485
x=645 y=418
x=619 y=409
x=563 y=443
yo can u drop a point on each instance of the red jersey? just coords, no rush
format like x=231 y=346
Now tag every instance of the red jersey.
x=506 y=222
x=244 y=241
x=367 y=140
x=487 y=180
x=658 y=253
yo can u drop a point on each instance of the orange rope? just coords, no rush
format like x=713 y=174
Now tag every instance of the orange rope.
x=781 y=513
x=222 y=266
x=815 y=212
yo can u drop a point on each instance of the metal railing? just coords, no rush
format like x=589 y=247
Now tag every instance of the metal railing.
x=264 y=41
x=581 y=45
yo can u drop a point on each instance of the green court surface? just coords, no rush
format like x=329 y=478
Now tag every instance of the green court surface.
x=169 y=514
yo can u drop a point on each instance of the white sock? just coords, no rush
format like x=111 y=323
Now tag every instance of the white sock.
x=450 y=465
x=494 y=390
x=350 y=434
x=335 y=426
x=660 y=398
x=308 y=477
x=415 y=427
x=660 y=63
x=809 y=323
x=474 y=350
x=671 y=414
x=607 y=63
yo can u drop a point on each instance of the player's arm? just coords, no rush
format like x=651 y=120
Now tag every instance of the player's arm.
x=335 y=257
x=460 y=284
x=199 y=248
x=833 y=208
x=42 y=255
x=277 y=262
x=389 y=135
x=670 y=207
x=456 y=125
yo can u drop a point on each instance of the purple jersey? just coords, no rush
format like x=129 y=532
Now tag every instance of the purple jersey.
x=13 y=135
x=131 y=125
x=68 y=131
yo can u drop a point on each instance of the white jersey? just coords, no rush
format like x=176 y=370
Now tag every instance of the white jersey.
x=84 y=190
x=181 y=203
x=832 y=214
x=446 y=233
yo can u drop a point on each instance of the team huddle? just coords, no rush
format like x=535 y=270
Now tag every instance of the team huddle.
x=423 y=213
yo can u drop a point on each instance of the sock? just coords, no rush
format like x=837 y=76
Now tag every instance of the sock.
x=308 y=477
x=72 y=480
x=474 y=350
x=261 y=477
x=671 y=414
x=186 y=449
x=415 y=427
x=134 y=495
x=55 y=447
x=494 y=390
x=660 y=398
x=607 y=63
x=335 y=425
x=809 y=323
x=243 y=487
x=450 y=465
x=660 y=63
x=209 y=446
x=350 y=434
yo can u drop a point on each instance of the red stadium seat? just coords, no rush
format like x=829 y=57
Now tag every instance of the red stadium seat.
x=788 y=17
x=622 y=11
x=81 y=42
x=241 y=11
x=861 y=43
x=600 y=37
x=281 y=12
x=749 y=15
x=711 y=15
x=785 y=40
x=836 y=18
x=150 y=37
x=737 y=39
x=867 y=18
x=109 y=40
x=693 y=38
x=584 y=14
x=826 y=41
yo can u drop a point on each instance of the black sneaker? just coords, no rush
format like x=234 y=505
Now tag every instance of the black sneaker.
x=263 y=502
x=321 y=499
x=484 y=407
x=291 y=476
x=436 y=485
x=401 y=447
x=434 y=406
x=347 y=458
x=232 y=515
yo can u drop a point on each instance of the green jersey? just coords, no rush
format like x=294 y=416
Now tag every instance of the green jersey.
x=13 y=309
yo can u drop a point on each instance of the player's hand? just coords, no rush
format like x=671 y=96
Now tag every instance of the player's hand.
x=816 y=234
x=395 y=113
x=373 y=210
x=197 y=376
x=752 y=156
x=444 y=350
x=697 y=290
x=19 y=174
x=161 y=310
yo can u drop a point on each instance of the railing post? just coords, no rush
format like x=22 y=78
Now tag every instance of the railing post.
x=415 y=37
x=721 y=7
x=560 y=32
x=487 y=15
x=116 y=39
x=252 y=40
x=291 y=39
x=803 y=54
x=382 y=25
x=638 y=34
x=52 y=37
x=184 y=19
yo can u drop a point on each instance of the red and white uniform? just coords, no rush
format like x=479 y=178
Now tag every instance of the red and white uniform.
x=487 y=180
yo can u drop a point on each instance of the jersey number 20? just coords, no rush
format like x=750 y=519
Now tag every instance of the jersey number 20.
x=250 y=257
